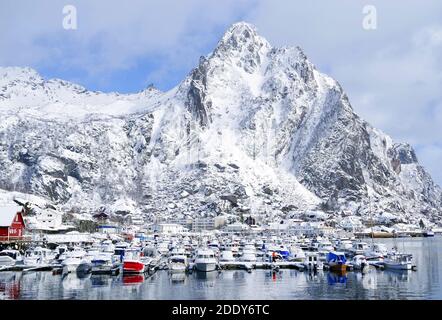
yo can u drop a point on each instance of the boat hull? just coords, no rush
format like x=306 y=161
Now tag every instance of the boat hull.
x=205 y=266
x=397 y=266
x=133 y=267
x=338 y=267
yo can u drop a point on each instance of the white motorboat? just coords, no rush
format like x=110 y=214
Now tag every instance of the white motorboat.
x=10 y=257
x=71 y=260
x=178 y=263
x=375 y=253
x=248 y=253
x=359 y=248
x=226 y=256
x=398 y=261
x=296 y=254
x=359 y=262
x=205 y=260
x=104 y=263
x=312 y=261
x=38 y=257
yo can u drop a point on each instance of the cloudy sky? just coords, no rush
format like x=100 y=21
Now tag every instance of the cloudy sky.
x=393 y=75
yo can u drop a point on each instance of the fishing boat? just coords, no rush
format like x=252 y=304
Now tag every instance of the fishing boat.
x=398 y=261
x=132 y=262
x=205 y=260
x=337 y=261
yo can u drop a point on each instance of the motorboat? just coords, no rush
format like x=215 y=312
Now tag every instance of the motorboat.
x=398 y=261
x=375 y=253
x=226 y=256
x=296 y=254
x=104 y=263
x=359 y=262
x=312 y=261
x=38 y=257
x=205 y=260
x=428 y=233
x=132 y=262
x=359 y=248
x=344 y=245
x=178 y=263
x=248 y=253
x=337 y=261
x=9 y=257
x=71 y=260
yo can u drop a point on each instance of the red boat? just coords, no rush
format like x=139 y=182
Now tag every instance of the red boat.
x=132 y=262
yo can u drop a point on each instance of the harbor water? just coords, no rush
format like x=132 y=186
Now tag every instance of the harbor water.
x=425 y=283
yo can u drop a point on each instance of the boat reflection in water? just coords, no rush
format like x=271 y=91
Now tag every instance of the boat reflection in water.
x=99 y=280
x=336 y=278
x=178 y=277
x=133 y=279
x=71 y=281
x=368 y=280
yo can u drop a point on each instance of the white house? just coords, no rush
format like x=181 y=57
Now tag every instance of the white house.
x=169 y=228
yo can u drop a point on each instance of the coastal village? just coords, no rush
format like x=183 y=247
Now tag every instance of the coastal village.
x=39 y=237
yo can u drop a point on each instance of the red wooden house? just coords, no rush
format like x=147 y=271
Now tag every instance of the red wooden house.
x=12 y=225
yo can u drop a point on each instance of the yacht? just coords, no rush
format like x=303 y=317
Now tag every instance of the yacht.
x=205 y=260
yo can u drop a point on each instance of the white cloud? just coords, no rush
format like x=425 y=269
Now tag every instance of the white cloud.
x=392 y=75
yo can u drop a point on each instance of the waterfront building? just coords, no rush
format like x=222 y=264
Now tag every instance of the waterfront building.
x=12 y=225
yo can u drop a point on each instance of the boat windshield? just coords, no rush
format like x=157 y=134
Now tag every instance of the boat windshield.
x=13 y=255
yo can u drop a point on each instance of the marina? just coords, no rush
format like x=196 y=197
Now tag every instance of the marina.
x=172 y=276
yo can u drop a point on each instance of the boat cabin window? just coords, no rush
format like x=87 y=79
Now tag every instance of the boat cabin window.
x=13 y=255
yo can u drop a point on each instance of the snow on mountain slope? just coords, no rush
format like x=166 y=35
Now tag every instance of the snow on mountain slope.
x=23 y=90
x=251 y=129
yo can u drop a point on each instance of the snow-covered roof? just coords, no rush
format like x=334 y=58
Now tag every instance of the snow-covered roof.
x=7 y=214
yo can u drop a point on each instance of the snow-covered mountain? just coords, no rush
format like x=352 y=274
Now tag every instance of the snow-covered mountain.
x=252 y=128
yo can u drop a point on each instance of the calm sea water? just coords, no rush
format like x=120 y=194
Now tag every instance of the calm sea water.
x=425 y=283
